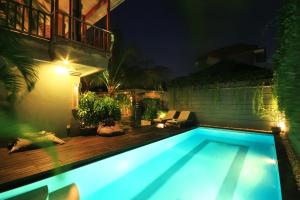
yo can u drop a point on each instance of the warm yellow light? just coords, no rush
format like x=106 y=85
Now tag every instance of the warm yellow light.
x=270 y=161
x=162 y=115
x=66 y=61
x=160 y=125
x=282 y=126
x=75 y=96
x=62 y=70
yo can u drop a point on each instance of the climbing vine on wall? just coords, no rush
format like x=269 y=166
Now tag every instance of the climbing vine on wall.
x=287 y=67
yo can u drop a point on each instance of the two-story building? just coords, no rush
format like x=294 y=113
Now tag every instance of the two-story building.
x=62 y=37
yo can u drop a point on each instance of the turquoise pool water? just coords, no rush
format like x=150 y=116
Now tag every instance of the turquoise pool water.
x=203 y=163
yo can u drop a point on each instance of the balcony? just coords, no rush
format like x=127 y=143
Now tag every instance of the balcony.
x=54 y=26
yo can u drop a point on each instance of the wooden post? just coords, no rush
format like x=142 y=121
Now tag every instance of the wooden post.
x=44 y=25
x=84 y=28
x=56 y=8
x=108 y=15
x=70 y=18
x=52 y=31
x=30 y=19
x=63 y=26
x=37 y=23
x=107 y=24
x=23 y=18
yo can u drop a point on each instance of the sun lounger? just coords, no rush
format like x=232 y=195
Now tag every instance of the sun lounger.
x=170 y=115
x=183 y=118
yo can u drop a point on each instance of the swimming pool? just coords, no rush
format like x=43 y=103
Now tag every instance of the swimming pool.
x=203 y=163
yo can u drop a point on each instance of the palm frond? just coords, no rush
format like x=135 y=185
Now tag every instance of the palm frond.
x=15 y=61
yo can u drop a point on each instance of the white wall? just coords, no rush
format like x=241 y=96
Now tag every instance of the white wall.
x=48 y=106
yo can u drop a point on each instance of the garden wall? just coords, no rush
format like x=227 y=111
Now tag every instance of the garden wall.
x=222 y=105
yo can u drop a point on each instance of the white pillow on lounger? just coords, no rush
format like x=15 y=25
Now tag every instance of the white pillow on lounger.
x=35 y=139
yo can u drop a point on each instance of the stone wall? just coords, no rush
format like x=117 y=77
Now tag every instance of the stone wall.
x=222 y=105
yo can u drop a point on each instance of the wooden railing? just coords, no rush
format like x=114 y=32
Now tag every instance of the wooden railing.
x=31 y=21
x=23 y=18
x=75 y=29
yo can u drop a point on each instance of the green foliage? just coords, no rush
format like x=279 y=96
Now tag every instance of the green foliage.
x=86 y=112
x=267 y=110
x=151 y=107
x=286 y=63
x=107 y=108
x=258 y=104
x=124 y=101
x=17 y=68
x=93 y=109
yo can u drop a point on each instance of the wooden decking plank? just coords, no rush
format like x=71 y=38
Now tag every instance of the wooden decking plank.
x=27 y=163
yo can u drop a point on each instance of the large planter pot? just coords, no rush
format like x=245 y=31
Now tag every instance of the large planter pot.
x=110 y=130
x=145 y=122
x=88 y=130
x=276 y=130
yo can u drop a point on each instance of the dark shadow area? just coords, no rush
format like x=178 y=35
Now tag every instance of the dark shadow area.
x=287 y=180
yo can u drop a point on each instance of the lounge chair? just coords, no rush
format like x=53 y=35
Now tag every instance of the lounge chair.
x=182 y=119
x=170 y=115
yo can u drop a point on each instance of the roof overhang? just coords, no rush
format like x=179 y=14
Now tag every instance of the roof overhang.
x=73 y=69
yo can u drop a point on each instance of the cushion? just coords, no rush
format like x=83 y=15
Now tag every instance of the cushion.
x=35 y=194
x=67 y=192
x=110 y=130
x=37 y=139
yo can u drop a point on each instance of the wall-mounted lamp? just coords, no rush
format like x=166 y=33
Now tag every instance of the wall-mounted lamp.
x=61 y=70
x=64 y=67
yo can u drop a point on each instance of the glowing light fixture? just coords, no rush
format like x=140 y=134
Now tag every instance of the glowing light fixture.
x=66 y=61
x=270 y=161
x=160 y=125
x=62 y=70
x=282 y=126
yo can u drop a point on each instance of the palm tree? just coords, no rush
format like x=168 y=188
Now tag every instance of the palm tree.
x=130 y=71
x=127 y=69
x=17 y=68
x=115 y=75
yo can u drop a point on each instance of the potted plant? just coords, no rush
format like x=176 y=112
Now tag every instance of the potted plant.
x=87 y=114
x=107 y=109
x=109 y=115
x=150 y=111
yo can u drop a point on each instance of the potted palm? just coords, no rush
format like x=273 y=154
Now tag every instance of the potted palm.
x=109 y=115
x=88 y=116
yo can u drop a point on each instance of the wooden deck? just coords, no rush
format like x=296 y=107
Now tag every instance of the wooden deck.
x=19 y=168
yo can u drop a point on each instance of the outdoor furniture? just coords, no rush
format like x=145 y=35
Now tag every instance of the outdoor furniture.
x=39 y=193
x=39 y=139
x=68 y=192
x=170 y=115
x=182 y=119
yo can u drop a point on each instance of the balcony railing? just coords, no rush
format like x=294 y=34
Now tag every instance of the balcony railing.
x=75 y=29
x=31 y=21
x=23 y=18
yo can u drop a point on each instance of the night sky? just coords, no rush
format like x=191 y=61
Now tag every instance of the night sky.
x=174 y=33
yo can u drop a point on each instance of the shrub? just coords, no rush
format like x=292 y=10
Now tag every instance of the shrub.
x=151 y=107
x=107 y=108
x=93 y=109
x=86 y=112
